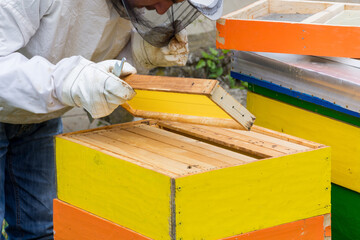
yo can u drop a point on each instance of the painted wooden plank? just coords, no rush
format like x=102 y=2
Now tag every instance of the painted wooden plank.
x=100 y=183
x=294 y=38
x=345 y=216
x=306 y=229
x=340 y=136
x=73 y=223
x=177 y=103
x=307 y=38
x=70 y=221
x=343 y=117
x=268 y=193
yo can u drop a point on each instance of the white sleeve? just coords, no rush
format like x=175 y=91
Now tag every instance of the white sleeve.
x=33 y=84
x=28 y=84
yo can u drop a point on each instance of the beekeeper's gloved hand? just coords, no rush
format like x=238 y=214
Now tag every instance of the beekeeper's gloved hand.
x=92 y=86
x=148 y=56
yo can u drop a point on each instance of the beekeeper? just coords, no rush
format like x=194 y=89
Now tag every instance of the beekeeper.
x=53 y=56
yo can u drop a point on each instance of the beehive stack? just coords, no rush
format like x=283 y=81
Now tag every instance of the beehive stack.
x=312 y=97
x=166 y=180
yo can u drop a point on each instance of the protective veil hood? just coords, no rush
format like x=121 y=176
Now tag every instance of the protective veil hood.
x=159 y=29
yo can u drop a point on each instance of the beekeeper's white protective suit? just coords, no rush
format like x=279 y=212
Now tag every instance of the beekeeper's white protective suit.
x=44 y=46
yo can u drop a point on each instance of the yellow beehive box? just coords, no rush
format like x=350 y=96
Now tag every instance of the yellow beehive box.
x=168 y=180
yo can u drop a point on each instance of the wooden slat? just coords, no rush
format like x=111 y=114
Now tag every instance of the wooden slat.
x=146 y=158
x=219 y=122
x=252 y=11
x=297 y=7
x=286 y=137
x=177 y=140
x=257 y=141
x=226 y=141
x=109 y=149
x=323 y=16
x=346 y=18
x=105 y=128
x=288 y=145
x=352 y=6
x=230 y=105
x=171 y=84
x=209 y=147
x=192 y=160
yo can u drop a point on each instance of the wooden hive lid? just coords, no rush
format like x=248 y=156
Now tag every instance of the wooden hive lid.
x=190 y=100
x=178 y=149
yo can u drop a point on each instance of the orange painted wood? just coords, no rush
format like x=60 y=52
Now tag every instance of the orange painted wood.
x=308 y=229
x=285 y=37
x=73 y=223
x=70 y=221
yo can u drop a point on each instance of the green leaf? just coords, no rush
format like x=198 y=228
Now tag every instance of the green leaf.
x=211 y=64
x=213 y=75
x=213 y=51
x=221 y=57
x=219 y=71
x=225 y=51
x=245 y=84
x=207 y=56
x=200 y=64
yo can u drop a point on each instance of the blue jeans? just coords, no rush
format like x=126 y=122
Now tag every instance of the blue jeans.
x=28 y=178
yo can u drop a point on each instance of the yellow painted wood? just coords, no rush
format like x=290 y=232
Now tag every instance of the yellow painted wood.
x=177 y=103
x=254 y=196
x=114 y=189
x=343 y=138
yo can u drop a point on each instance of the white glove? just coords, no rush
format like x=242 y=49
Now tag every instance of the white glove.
x=148 y=56
x=93 y=87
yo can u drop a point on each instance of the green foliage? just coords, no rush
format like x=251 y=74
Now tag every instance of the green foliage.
x=4 y=225
x=214 y=63
x=232 y=83
x=211 y=61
